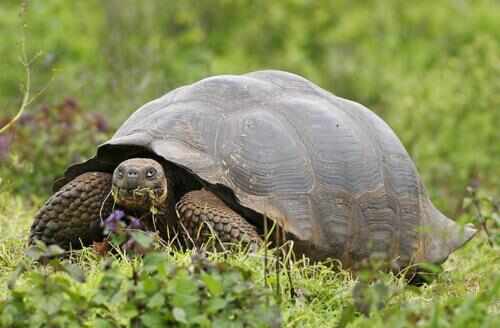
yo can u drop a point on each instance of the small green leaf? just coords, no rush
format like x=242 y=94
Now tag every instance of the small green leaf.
x=20 y=269
x=129 y=311
x=54 y=250
x=101 y=323
x=150 y=285
x=142 y=238
x=467 y=202
x=213 y=284
x=153 y=260
x=118 y=239
x=347 y=316
x=157 y=301
x=74 y=271
x=153 y=319
x=34 y=252
x=179 y=315
x=216 y=304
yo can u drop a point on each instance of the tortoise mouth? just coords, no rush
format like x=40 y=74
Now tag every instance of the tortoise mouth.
x=138 y=198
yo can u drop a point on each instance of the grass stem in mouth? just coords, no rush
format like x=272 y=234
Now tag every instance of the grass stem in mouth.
x=147 y=198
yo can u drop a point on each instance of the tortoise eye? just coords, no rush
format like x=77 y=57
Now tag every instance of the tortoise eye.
x=150 y=173
x=120 y=173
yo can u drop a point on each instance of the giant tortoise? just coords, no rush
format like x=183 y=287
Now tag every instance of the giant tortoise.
x=231 y=151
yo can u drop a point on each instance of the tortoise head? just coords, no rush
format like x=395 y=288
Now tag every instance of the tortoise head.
x=139 y=183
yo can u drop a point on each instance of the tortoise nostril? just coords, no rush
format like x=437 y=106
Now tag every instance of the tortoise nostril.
x=132 y=173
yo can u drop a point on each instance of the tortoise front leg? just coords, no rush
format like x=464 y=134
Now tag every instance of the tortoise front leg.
x=72 y=216
x=205 y=217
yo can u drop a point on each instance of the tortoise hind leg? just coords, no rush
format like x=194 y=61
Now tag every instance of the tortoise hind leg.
x=72 y=216
x=206 y=217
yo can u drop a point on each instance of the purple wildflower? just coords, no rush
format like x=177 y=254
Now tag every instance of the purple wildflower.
x=135 y=223
x=26 y=118
x=112 y=222
x=119 y=214
x=100 y=123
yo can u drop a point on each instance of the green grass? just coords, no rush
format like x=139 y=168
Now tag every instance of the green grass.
x=466 y=293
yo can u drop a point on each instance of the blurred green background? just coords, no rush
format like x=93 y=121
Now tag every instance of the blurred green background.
x=431 y=69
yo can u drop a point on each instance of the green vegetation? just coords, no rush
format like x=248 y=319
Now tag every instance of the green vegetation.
x=430 y=69
x=156 y=293
x=465 y=294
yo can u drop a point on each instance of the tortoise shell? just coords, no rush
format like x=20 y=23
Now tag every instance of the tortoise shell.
x=326 y=169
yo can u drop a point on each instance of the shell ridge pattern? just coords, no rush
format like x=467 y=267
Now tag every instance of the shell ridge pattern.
x=342 y=162
x=327 y=226
x=403 y=187
x=346 y=229
x=262 y=156
x=152 y=107
x=185 y=124
x=228 y=90
x=303 y=145
x=402 y=204
x=282 y=117
x=375 y=229
x=297 y=205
